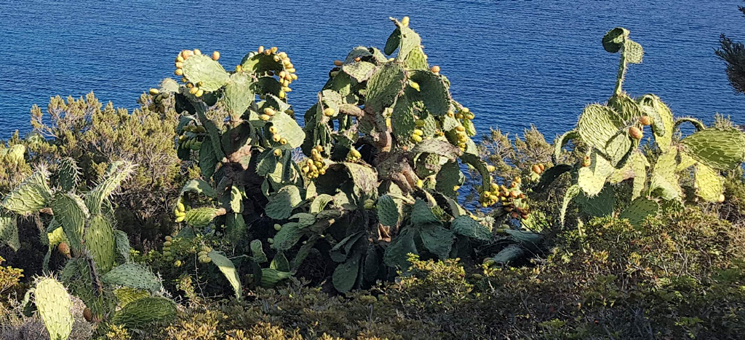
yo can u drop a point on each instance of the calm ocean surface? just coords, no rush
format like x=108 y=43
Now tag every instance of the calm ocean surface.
x=511 y=62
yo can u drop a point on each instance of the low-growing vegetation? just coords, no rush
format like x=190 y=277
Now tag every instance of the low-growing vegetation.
x=210 y=213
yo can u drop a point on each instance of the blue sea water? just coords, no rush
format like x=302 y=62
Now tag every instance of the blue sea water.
x=512 y=62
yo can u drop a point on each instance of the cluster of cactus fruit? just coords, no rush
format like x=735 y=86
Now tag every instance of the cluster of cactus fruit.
x=384 y=145
x=611 y=135
x=82 y=229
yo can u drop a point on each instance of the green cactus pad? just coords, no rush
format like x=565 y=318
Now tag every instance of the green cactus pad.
x=598 y=206
x=270 y=277
x=201 y=68
x=67 y=174
x=33 y=194
x=122 y=246
x=282 y=203
x=614 y=39
x=238 y=94
x=207 y=158
x=562 y=141
x=633 y=52
x=304 y=219
x=55 y=237
x=257 y=252
x=201 y=217
x=116 y=173
x=402 y=118
x=198 y=186
x=448 y=178
x=570 y=194
x=288 y=236
x=664 y=180
x=55 y=308
x=359 y=71
x=320 y=202
x=432 y=92
x=168 y=85
x=345 y=274
x=639 y=210
x=508 y=254
x=408 y=41
x=384 y=86
x=599 y=126
x=387 y=211
x=467 y=226
x=145 y=312
x=480 y=166
x=719 y=149
x=397 y=253
x=662 y=119
x=133 y=275
x=421 y=214
x=394 y=40
x=636 y=168
x=550 y=175
x=626 y=107
x=416 y=60
x=708 y=183
x=99 y=240
x=9 y=231
x=289 y=129
x=686 y=162
x=125 y=295
x=228 y=269
x=697 y=124
x=438 y=147
x=592 y=178
x=70 y=211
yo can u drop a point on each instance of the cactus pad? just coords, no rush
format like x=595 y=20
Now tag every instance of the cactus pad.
x=397 y=253
x=432 y=92
x=99 y=240
x=570 y=194
x=228 y=269
x=387 y=211
x=345 y=275
x=421 y=214
x=55 y=308
x=289 y=129
x=639 y=210
x=67 y=174
x=384 y=86
x=664 y=180
x=359 y=71
x=199 y=186
x=614 y=39
x=467 y=226
x=33 y=194
x=201 y=217
x=201 y=68
x=9 y=231
x=508 y=254
x=238 y=95
x=270 y=277
x=719 y=149
x=142 y=313
x=436 y=239
x=592 y=178
x=708 y=183
x=122 y=246
x=662 y=119
x=116 y=173
x=70 y=211
x=287 y=236
x=257 y=252
x=282 y=203
x=132 y=275
x=599 y=127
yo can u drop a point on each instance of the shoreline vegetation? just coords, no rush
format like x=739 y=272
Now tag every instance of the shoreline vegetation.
x=210 y=213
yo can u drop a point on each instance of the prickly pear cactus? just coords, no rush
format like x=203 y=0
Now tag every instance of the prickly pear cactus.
x=145 y=312
x=612 y=134
x=55 y=307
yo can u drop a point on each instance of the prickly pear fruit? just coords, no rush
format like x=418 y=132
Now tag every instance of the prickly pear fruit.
x=405 y=21
x=635 y=133
x=645 y=120
x=215 y=55
x=64 y=249
x=435 y=69
x=87 y=314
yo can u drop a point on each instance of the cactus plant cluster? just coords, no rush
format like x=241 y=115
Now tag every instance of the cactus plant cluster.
x=383 y=150
x=611 y=135
x=82 y=229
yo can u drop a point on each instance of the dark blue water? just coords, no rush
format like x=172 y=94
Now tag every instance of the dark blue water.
x=511 y=62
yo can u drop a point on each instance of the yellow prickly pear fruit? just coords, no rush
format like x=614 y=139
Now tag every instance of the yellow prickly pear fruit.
x=460 y=128
x=537 y=169
x=416 y=138
x=180 y=219
x=179 y=64
x=282 y=94
x=319 y=148
x=355 y=153
x=187 y=54
x=405 y=21
x=274 y=49
x=276 y=58
x=277 y=152
x=435 y=69
x=357 y=59
x=456 y=187
x=418 y=132
x=193 y=90
x=419 y=183
x=179 y=59
x=338 y=63
x=205 y=259
x=387 y=122
x=197 y=51
x=199 y=93
x=238 y=68
x=293 y=76
x=215 y=55
x=177 y=263
x=491 y=168
x=169 y=238
x=154 y=92
x=184 y=80
x=645 y=120
x=586 y=161
x=283 y=141
x=261 y=49
x=178 y=72
x=721 y=198
x=635 y=133
x=269 y=111
x=265 y=117
x=328 y=112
